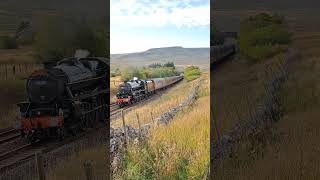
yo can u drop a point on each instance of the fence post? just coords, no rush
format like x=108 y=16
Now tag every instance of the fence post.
x=14 y=71
x=124 y=128
x=137 y=115
x=152 y=118
x=88 y=170
x=40 y=166
x=6 y=70
x=26 y=68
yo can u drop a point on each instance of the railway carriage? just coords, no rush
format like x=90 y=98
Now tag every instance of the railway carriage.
x=218 y=53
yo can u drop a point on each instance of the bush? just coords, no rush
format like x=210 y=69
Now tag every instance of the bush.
x=191 y=73
x=7 y=42
x=263 y=36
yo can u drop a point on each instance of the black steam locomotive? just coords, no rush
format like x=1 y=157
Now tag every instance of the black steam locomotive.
x=66 y=98
x=135 y=90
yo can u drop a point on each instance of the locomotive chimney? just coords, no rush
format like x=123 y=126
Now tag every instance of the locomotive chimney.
x=49 y=64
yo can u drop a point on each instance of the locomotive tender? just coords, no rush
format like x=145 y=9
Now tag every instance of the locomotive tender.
x=65 y=98
x=135 y=90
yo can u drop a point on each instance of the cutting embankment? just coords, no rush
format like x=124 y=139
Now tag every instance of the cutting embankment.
x=266 y=113
x=178 y=134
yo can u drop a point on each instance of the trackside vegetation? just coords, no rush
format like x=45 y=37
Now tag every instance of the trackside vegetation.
x=155 y=70
x=263 y=36
x=192 y=72
x=179 y=150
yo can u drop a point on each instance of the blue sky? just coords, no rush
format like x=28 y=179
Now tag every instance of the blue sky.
x=138 y=25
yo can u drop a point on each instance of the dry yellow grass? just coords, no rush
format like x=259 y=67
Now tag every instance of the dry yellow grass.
x=73 y=169
x=179 y=150
x=11 y=92
x=23 y=54
x=292 y=144
x=164 y=103
x=238 y=87
x=307 y=42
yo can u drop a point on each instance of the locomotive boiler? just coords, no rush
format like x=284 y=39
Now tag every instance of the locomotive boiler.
x=135 y=90
x=64 y=99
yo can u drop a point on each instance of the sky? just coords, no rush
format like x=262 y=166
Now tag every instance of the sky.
x=139 y=25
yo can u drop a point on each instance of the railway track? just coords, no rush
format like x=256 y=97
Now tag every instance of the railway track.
x=115 y=110
x=14 y=153
x=15 y=150
x=8 y=134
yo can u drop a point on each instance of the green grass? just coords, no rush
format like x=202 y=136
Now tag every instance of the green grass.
x=192 y=73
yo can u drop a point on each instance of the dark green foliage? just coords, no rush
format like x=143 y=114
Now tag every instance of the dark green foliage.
x=60 y=38
x=8 y=42
x=155 y=65
x=155 y=70
x=263 y=36
x=130 y=72
x=169 y=64
x=159 y=65
x=192 y=72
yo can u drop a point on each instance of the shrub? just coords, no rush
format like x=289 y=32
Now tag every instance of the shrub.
x=191 y=73
x=8 y=42
x=263 y=35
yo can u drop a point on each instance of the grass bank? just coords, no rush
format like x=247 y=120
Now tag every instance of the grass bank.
x=179 y=150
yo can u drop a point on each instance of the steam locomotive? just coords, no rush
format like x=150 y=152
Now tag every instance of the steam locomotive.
x=135 y=90
x=64 y=99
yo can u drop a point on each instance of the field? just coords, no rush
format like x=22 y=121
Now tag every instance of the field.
x=179 y=150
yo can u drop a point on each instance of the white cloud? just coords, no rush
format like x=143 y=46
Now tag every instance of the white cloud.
x=159 y=13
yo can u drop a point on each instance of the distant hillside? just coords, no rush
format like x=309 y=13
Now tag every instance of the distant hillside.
x=270 y=4
x=179 y=55
x=227 y=14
